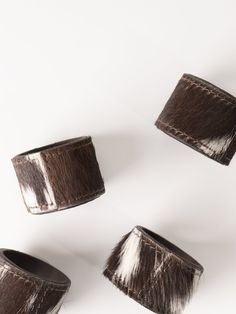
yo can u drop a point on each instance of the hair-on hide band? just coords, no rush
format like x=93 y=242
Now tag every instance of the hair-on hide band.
x=153 y=271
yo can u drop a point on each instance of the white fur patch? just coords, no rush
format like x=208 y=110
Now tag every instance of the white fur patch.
x=3 y=273
x=30 y=196
x=129 y=257
x=196 y=279
x=177 y=306
x=216 y=146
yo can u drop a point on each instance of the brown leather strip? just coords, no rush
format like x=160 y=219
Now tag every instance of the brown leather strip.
x=29 y=285
x=202 y=116
x=153 y=271
x=59 y=176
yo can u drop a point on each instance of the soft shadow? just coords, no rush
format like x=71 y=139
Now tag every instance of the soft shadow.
x=217 y=257
x=116 y=152
x=224 y=77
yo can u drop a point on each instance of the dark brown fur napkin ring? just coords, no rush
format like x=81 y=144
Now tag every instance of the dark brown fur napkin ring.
x=153 y=271
x=201 y=116
x=29 y=285
x=59 y=176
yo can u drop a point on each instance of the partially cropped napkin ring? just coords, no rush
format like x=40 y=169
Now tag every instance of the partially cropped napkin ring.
x=203 y=117
x=153 y=271
x=59 y=176
x=29 y=285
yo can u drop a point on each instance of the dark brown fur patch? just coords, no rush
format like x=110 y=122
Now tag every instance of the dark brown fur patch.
x=201 y=116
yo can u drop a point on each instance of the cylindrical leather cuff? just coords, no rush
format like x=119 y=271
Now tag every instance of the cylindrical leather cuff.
x=29 y=285
x=153 y=271
x=59 y=176
x=203 y=117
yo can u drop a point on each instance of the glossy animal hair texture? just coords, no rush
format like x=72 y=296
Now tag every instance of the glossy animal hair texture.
x=202 y=116
x=153 y=271
x=59 y=176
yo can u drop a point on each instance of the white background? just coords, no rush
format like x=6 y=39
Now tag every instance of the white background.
x=106 y=68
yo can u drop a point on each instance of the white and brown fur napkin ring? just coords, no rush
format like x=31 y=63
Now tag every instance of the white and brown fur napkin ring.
x=153 y=271
x=29 y=285
x=59 y=176
x=201 y=116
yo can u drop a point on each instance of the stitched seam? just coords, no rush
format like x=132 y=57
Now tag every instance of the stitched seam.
x=156 y=246
x=136 y=293
x=65 y=150
x=188 y=137
x=217 y=92
x=212 y=92
x=51 y=287
x=42 y=206
x=32 y=281
x=49 y=154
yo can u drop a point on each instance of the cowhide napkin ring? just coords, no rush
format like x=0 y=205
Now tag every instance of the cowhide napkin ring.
x=203 y=117
x=29 y=285
x=59 y=176
x=153 y=271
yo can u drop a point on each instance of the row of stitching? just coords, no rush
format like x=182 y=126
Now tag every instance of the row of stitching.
x=51 y=286
x=215 y=90
x=56 y=287
x=156 y=245
x=56 y=153
x=31 y=282
x=212 y=92
x=117 y=281
x=81 y=197
x=135 y=292
x=44 y=206
x=64 y=150
x=186 y=136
